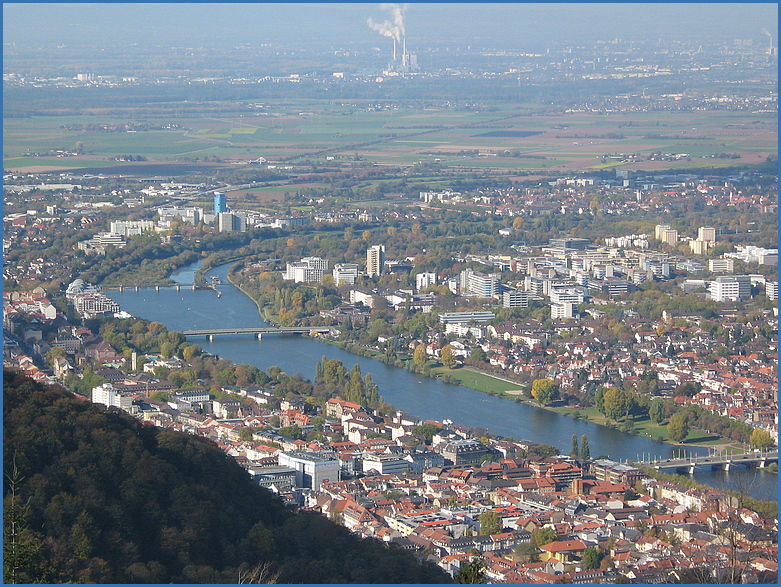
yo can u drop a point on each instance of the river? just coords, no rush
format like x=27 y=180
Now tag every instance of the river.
x=420 y=396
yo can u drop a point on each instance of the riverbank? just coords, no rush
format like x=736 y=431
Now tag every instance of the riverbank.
x=486 y=382
x=496 y=385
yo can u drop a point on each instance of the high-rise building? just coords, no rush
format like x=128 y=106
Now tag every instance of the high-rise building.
x=220 y=203
x=229 y=222
x=670 y=237
x=771 y=290
x=375 y=260
x=424 y=280
x=660 y=228
x=706 y=233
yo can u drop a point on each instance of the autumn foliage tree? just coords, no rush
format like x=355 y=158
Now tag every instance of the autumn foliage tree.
x=545 y=391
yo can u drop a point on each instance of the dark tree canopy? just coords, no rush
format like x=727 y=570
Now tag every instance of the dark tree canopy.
x=103 y=498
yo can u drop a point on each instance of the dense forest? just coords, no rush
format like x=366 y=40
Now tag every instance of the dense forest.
x=94 y=496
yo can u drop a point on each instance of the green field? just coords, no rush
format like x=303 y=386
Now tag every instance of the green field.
x=403 y=136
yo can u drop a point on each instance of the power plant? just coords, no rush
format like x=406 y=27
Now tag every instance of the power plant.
x=404 y=63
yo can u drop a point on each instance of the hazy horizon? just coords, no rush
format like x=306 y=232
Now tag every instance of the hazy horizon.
x=503 y=24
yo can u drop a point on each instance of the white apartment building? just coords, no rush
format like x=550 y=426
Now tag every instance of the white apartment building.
x=424 y=280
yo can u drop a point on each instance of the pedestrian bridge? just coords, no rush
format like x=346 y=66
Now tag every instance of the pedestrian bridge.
x=210 y=333
x=718 y=461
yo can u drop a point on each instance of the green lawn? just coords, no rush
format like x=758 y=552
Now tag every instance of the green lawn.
x=478 y=381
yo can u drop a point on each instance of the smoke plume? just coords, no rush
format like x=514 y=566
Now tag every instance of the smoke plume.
x=390 y=28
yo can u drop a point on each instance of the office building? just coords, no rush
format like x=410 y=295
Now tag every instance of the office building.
x=375 y=260
x=230 y=222
x=220 y=203
x=345 y=273
x=730 y=288
x=771 y=290
x=307 y=270
x=484 y=285
x=312 y=468
x=465 y=317
x=108 y=396
x=562 y=310
x=721 y=265
x=699 y=247
x=515 y=298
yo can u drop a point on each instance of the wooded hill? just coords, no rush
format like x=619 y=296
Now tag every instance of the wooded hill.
x=95 y=496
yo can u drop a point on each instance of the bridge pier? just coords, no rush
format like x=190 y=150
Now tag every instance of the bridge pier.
x=762 y=463
x=136 y=289
x=210 y=337
x=260 y=336
x=193 y=287
x=157 y=288
x=178 y=287
x=121 y=288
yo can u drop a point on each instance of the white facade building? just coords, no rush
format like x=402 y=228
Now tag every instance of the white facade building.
x=312 y=468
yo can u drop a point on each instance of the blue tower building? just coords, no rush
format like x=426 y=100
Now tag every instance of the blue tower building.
x=220 y=203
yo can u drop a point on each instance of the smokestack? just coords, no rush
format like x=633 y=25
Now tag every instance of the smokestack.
x=404 y=51
x=394 y=51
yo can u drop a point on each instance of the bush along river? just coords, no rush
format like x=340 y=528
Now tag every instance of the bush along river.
x=423 y=397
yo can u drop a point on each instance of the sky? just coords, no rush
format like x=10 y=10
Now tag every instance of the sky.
x=521 y=23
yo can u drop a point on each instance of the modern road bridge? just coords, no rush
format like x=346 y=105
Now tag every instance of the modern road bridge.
x=718 y=461
x=210 y=333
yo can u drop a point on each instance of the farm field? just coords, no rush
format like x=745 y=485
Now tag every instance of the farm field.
x=503 y=139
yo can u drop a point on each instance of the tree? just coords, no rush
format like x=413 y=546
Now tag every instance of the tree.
x=490 y=523
x=574 y=452
x=542 y=536
x=427 y=430
x=656 y=411
x=585 y=454
x=761 y=439
x=678 y=428
x=471 y=572
x=419 y=356
x=447 y=356
x=591 y=558
x=617 y=403
x=545 y=390
x=477 y=354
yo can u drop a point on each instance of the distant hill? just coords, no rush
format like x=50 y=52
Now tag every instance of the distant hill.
x=95 y=496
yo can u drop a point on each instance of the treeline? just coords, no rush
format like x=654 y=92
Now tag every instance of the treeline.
x=95 y=496
x=626 y=405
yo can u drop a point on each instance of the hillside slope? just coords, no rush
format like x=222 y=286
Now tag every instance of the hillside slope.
x=95 y=496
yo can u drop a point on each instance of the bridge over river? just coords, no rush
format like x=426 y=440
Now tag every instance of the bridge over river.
x=178 y=286
x=210 y=333
x=716 y=461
